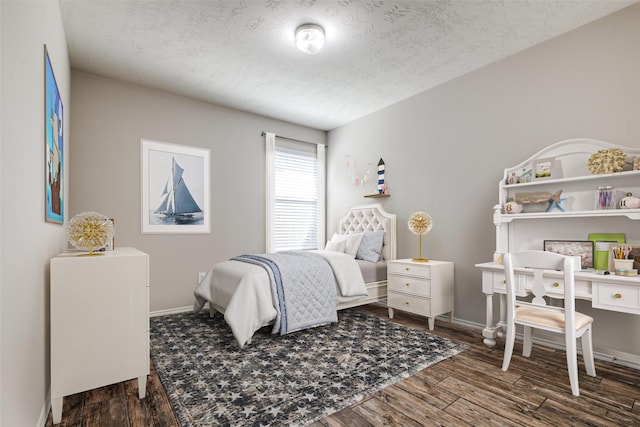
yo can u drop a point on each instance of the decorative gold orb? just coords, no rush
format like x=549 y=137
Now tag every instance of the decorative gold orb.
x=420 y=223
x=90 y=231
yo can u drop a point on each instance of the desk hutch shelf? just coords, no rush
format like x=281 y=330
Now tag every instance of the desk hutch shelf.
x=528 y=229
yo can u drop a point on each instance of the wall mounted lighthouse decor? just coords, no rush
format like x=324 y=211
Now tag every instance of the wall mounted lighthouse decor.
x=381 y=191
x=382 y=187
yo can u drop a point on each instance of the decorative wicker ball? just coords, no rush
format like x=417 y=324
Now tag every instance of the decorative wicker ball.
x=90 y=231
x=609 y=160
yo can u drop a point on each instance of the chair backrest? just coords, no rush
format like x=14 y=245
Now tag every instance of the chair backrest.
x=539 y=261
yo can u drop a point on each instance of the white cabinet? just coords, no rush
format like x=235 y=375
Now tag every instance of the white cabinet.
x=421 y=288
x=528 y=229
x=99 y=322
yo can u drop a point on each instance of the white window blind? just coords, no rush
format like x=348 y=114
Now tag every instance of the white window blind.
x=295 y=195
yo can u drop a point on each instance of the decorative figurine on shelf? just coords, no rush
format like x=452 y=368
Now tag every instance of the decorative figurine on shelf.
x=513 y=178
x=629 y=202
x=557 y=205
x=636 y=164
x=512 y=207
x=382 y=187
x=537 y=197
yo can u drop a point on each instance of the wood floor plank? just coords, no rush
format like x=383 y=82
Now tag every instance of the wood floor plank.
x=478 y=416
x=560 y=411
x=378 y=414
x=422 y=388
x=417 y=409
x=344 y=418
x=512 y=409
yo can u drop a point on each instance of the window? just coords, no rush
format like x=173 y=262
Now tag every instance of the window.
x=295 y=195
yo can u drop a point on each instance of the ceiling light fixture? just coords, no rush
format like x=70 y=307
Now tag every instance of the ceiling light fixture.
x=310 y=38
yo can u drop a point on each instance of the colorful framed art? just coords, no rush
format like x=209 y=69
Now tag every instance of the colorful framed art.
x=54 y=146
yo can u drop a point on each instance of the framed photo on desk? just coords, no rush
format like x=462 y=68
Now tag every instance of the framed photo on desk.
x=581 y=248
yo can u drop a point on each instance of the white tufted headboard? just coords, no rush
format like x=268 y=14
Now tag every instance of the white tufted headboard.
x=371 y=218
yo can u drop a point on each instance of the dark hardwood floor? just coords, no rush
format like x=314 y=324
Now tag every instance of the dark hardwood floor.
x=467 y=389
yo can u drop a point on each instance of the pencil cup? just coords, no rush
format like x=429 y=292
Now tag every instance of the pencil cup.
x=623 y=264
x=605 y=198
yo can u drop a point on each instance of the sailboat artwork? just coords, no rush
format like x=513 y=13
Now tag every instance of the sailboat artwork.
x=178 y=205
x=175 y=188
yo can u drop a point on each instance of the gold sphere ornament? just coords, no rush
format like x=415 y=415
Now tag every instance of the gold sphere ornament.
x=90 y=231
x=420 y=223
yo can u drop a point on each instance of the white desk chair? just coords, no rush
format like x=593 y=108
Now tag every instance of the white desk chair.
x=536 y=314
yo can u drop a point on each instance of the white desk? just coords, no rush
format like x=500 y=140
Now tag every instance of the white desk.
x=606 y=292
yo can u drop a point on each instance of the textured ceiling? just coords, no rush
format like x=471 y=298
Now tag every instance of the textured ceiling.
x=242 y=54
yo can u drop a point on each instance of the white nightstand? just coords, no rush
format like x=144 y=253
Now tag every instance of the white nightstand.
x=99 y=322
x=423 y=288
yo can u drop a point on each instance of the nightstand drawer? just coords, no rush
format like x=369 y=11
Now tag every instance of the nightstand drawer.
x=410 y=303
x=410 y=285
x=412 y=269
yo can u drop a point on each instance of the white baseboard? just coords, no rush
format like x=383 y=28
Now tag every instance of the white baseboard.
x=44 y=414
x=170 y=311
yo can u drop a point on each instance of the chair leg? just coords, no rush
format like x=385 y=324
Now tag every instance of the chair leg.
x=527 y=341
x=572 y=363
x=587 y=353
x=508 y=345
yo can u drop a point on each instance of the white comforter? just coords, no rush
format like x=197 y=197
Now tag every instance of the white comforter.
x=242 y=292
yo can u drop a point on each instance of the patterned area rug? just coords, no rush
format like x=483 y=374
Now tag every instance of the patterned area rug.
x=293 y=379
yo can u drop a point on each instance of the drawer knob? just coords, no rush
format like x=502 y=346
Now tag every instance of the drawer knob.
x=407 y=302
x=406 y=269
x=617 y=296
x=504 y=282
x=556 y=284
x=406 y=284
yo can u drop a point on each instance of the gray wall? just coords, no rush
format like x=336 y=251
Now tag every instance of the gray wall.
x=110 y=118
x=446 y=149
x=27 y=242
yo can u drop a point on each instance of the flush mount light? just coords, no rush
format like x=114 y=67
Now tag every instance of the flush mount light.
x=310 y=38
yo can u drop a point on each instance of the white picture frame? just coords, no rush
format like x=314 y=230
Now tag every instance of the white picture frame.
x=175 y=188
x=547 y=168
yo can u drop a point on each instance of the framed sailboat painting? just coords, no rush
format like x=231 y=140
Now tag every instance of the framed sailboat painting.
x=175 y=188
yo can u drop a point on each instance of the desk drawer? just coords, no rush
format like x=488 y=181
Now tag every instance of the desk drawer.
x=616 y=297
x=410 y=285
x=410 y=303
x=413 y=269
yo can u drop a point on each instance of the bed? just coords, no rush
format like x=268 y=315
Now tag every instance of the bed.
x=242 y=288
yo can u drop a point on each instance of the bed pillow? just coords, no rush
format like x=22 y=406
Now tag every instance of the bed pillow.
x=371 y=246
x=352 y=242
x=336 y=246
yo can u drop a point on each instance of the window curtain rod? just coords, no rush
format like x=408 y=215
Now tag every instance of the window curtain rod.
x=292 y=139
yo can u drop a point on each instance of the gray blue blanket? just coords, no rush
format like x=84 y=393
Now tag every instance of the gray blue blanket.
x=303 y=288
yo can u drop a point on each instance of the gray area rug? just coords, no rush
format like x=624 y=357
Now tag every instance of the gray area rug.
x=293 y=379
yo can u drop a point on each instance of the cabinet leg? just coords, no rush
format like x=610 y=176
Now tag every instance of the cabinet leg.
x=56 y=409
x=142 y=386
x=390 y=313
x=432 y=323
